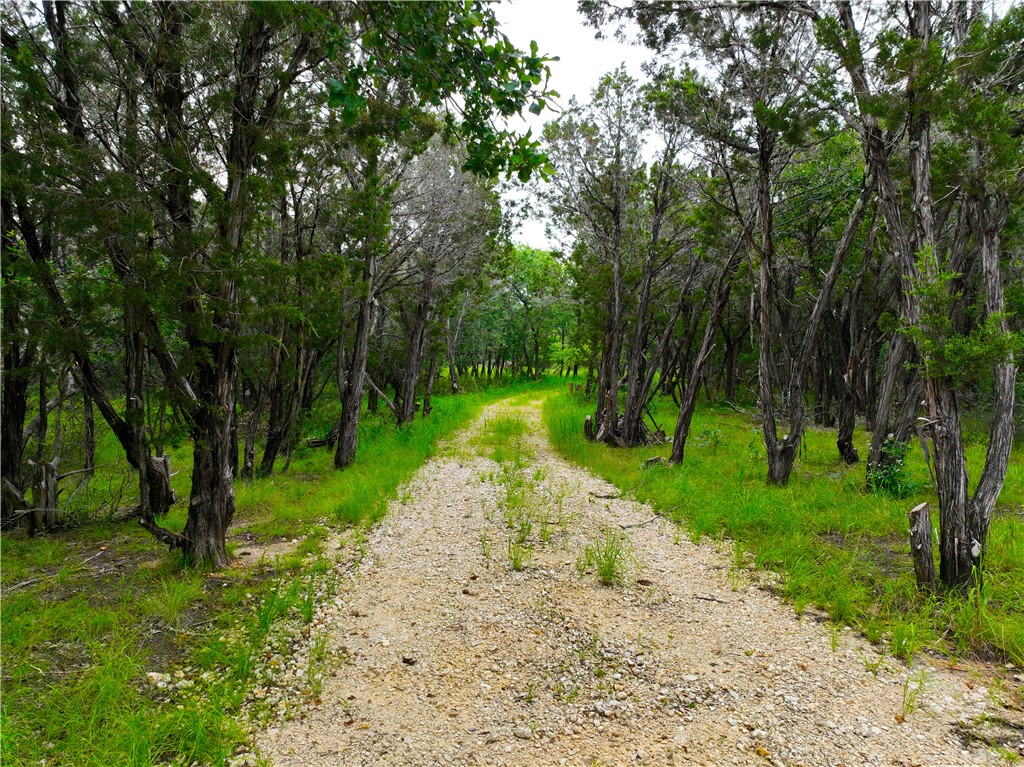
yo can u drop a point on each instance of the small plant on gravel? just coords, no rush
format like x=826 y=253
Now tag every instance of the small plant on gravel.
x=608 y=556
x=308 y=604
x=518 y=554
x=876 y=665
x=485 y=546
x=913 y=686
x=737 y=579
x=547 y=527
x=566 y=694
x=317 y=665
x=524 y=527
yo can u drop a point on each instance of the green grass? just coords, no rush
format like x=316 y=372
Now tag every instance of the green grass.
x=608 y=556
x=836 y=546
x=89 y=610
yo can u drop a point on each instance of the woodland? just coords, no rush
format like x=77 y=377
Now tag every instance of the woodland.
x=249 y=243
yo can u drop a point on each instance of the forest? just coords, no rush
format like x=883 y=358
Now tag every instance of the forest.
x=258 y=262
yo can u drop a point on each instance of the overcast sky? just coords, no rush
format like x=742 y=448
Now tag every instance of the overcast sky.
x=559 y=31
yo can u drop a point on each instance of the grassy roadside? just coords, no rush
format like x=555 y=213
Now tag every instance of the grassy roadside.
x=115 y=653
x=834 y=545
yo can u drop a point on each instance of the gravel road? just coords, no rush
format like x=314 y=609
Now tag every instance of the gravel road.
x=451 y=657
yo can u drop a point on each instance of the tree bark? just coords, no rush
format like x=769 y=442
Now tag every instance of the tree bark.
x=413 y=367
x=921 y=546
x=348 y=432
x=89 y=433
x=17 y=361
x=428 y=388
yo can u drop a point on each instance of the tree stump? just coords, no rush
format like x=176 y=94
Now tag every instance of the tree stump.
x=588 y=428
x=921 y=546
x=44 y=497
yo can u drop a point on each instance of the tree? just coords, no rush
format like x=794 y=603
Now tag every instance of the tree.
x=157 y=127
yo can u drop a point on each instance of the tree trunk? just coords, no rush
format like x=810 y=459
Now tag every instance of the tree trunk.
x=413 y=367
x=780 y=454
x=43 y=516
x=450 y=340
x=428 y=389
x=921 y=546
x=274 y=392
x=43 y=423
x=13 y=408
x=536 y=354
x=89 y=435
x=212 y=502
x=352 y=400
x=689 y=400
x=607 y=415
x=18 y=359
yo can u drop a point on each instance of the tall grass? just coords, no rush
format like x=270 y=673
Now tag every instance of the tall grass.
x=836 y=546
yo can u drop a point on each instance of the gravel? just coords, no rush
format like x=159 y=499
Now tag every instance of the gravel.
x=695 y=665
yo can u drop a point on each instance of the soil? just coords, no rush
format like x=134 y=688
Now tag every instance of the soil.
x=450 y=657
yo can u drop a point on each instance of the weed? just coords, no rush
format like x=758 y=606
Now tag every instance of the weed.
x=709 y=438
x=524 y=527
x=307 y=607
x=891 y=476
x=519 y=555
x=485 y=546
x=566 y=694
x=904 y=640
x=547 y=528
x=874 y=666
x=834 y=635
x=316 y=665
x=608 y=556
x=913 y=686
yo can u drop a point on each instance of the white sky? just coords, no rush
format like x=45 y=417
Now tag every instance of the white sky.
x=559 y=31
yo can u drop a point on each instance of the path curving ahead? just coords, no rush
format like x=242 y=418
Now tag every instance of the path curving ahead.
x=453 y=658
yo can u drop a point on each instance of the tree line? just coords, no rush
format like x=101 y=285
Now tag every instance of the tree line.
x=822 y=200
x=212 y=215
x=212 y=211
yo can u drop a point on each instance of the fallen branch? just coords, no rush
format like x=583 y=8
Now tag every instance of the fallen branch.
x=29 y=582
x=80 y=471
x=709 y=598
x=382 y=395
x=165 y=536
x=640 y=524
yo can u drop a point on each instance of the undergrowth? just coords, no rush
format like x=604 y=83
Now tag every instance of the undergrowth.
x=836 y=546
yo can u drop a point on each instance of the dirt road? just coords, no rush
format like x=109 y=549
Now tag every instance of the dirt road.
x=452 y=657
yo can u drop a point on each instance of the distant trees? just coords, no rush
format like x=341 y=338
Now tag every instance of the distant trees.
x=632 y=239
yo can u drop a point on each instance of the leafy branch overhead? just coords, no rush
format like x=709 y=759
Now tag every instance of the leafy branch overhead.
x=455 y=59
